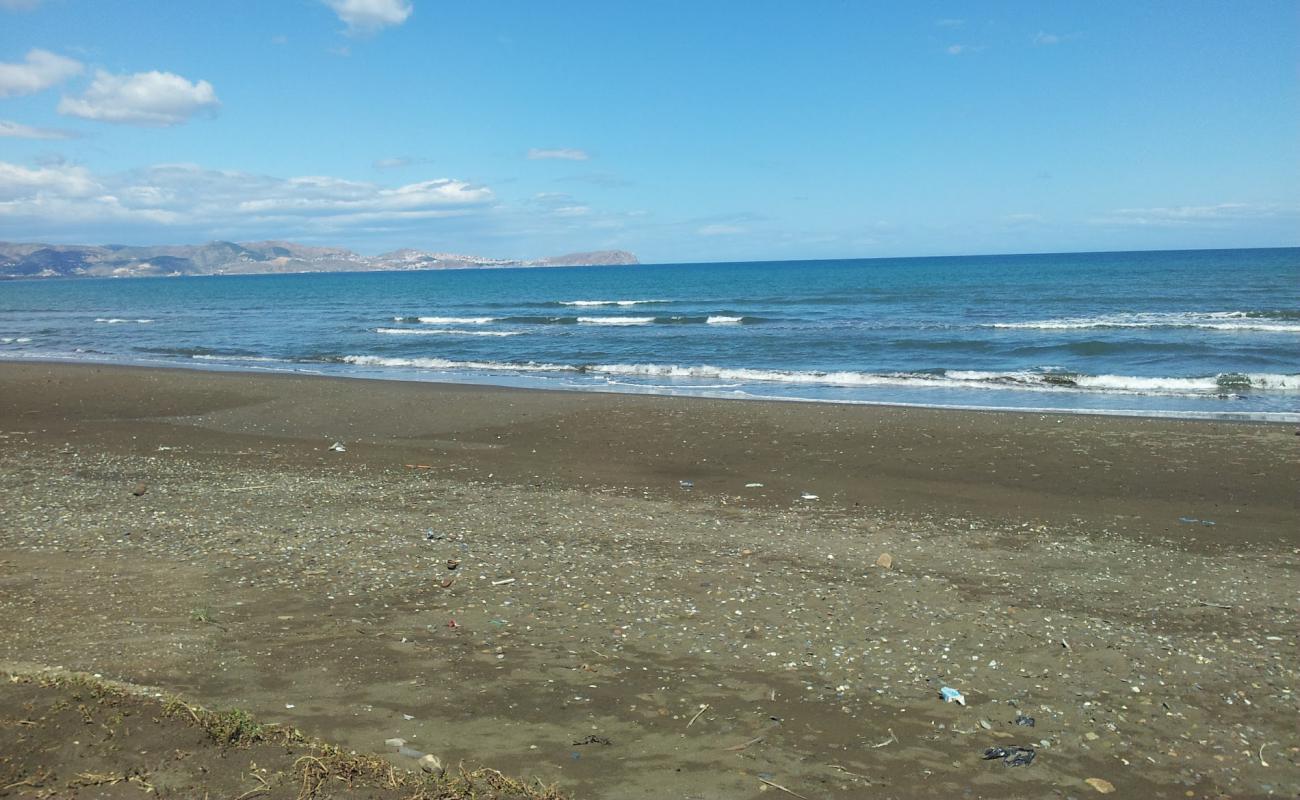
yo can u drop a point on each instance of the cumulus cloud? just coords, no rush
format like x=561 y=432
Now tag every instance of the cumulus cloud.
x=155 y=99
x=962 y=49
x=370 y=16
x=1178 y=216
x=39 y=70
x=558 y=153
x=17 y=130
x=186 y=194
x=1045 y=38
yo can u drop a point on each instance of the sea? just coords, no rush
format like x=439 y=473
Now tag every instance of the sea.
x=1201 y=334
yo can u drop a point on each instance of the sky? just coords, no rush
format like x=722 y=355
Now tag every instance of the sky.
x=676 y=129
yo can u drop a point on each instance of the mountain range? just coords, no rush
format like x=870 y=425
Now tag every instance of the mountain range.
x=249 y=258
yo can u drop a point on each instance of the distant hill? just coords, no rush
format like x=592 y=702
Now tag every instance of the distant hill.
x=249 y=258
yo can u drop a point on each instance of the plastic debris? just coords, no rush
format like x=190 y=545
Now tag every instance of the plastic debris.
x=337 y=447
x=808 y=496
x=1013 y=756
x=1194 y=521
x=1102 y=785
x=395 y=742
x=686 y=484
x=886 y=561
x=431 y=763
x=753 y=486
x=951 y=695
x=1024 y=722
x=592 y=740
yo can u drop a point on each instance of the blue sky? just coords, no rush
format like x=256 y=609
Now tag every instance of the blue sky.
x=681 y=131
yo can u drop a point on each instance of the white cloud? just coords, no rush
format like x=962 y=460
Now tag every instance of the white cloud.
x=1178 y=216
x=17 y=130
x=185 y=194
x=19 y=5
x=369 y=16
x=962 y=49
x=1045 y=38
x=17 y=182
x=560 y=153
x=38 y=71
x=156 y=99
x=397 y=162
x=720 y=229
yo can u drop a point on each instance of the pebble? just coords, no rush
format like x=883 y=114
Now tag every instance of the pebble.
x=1101 y=785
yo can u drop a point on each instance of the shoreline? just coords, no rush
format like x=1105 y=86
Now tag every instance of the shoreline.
x=519 y=580
x=521 y=384
x=885 y=458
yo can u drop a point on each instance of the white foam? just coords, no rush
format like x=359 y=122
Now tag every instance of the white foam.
x=441 y=332
x=719 y=319
x=1211 y=320
x=15 y=339
x=450 y=320
x=251 y=359
x=608 y=302
x=447 y=364
x=615 y=320
x=119 y=321
x=956 y=379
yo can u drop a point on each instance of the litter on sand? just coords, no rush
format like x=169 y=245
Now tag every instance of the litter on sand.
x=338 y=447
x=808 y=496
x=951 y=695
x=1013 y=756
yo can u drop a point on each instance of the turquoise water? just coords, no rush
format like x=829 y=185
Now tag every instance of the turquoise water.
x=1203 y=333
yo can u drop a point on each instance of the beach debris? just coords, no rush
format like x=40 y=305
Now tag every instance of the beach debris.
x=886 y=561
x=453 y=624
x=1013 y=756
x=503 y=581
x=782 y=788
x=1101 y=785
x=452 y=563
x=808 y=496
x=1023 y=721
x=418 y=466
x=1195 y=521
x=592 y=739
x=395 y=742
x=139 y=489
x=447 y=583
x=892 y=738
x=686 y=484
x=431 y=763
x=951 y=695
x=753 y=486
x=736 y=748
x=986 y=725
x=337 y=447
x=698 y=714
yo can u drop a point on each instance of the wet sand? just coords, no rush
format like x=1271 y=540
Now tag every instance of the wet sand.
x=718 y=636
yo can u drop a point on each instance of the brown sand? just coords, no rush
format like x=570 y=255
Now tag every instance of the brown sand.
x=1039 y=565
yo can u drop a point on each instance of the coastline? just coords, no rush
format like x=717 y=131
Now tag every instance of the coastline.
x=1042 y=563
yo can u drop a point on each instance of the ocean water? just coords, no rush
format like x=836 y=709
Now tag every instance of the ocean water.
x=1194 y=333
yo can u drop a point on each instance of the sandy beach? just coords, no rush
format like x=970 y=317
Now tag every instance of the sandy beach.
x=647 y=597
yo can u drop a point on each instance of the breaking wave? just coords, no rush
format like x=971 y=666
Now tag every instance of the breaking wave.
x=119 y=321
x=442 y=332
x=1044 y=381
x=447 y=320
x=611 y=302
x=1264 y=321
